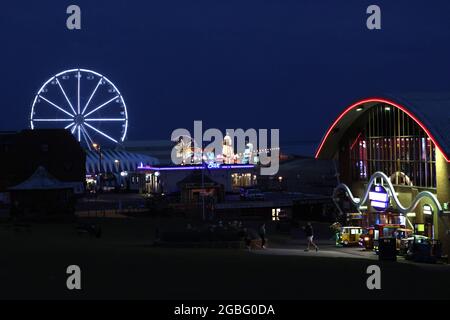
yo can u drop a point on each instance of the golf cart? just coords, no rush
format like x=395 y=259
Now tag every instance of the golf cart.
x=349 y=236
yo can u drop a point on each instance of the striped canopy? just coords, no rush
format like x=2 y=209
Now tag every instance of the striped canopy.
x=127 y=161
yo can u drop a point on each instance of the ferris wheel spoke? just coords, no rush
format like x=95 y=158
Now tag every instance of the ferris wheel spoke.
x=78 y=100
x=105 y=119
x=79 y=134
x=83 y=131
x=100 y=132
x=93 y=93
x=73 y=129
x=101 y=106
x=55 y=105
x=65 y=95
x=67 y=127
x=52 y=120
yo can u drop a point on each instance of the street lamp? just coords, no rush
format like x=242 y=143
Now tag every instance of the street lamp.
x=97 y=148
x=117 y=165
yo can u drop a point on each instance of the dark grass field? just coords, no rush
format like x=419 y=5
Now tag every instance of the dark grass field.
x=124 y=265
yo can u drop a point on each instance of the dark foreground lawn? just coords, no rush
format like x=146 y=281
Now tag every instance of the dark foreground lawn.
x=122 y=265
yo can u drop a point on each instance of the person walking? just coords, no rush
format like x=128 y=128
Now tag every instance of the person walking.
x=262 y=235
x=309 y=237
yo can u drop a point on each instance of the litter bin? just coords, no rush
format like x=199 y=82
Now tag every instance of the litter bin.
x=387 y=249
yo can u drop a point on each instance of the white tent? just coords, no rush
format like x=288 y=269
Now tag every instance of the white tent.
x=41 y=179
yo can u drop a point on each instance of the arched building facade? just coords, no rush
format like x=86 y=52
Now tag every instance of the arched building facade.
x=401 y=143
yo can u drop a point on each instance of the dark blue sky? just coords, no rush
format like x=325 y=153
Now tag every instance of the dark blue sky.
x=287 y=64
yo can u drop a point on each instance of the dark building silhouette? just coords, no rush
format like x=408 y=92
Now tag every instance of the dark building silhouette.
x=56 y=150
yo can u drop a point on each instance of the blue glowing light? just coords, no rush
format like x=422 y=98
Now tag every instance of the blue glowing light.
x=199 y=167
x=379 y=198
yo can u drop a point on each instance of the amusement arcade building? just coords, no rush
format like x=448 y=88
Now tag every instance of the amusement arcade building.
x=394 y=160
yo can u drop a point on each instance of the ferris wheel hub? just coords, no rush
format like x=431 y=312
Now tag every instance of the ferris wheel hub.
x=79 y=119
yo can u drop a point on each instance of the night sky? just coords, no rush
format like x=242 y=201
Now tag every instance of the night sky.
x=288 y=64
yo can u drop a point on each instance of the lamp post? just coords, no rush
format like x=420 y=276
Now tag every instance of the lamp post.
x=203 y=190
x=117 y=165
x=97 y=148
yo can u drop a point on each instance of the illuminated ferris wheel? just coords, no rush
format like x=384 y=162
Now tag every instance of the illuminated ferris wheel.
x=84 y=102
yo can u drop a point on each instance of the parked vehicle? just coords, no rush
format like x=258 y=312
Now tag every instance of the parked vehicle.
x=366 y=238
x=242 y=191
x=390 y=231
x=252 y=194
x=406 y=244
x=349 y=236
x=402 y=233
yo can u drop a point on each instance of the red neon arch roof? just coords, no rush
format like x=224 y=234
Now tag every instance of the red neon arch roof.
x=379 y=100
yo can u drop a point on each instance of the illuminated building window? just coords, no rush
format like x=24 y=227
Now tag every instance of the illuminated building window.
x=276 y=214
x=242 y=180
x=390 y=141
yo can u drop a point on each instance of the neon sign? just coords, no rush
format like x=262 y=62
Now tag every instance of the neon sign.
x=360 y=104
x=195 y=167
x=213 y=165
x=379 y=198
